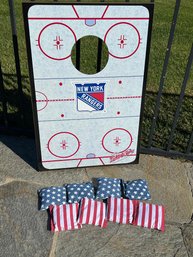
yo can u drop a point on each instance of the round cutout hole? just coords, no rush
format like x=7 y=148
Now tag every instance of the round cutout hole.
x=90 y=55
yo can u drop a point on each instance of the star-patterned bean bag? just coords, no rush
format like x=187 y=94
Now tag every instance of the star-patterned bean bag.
x=137 y=190
x=76 y=192
x=52 y=196
x=108 y=187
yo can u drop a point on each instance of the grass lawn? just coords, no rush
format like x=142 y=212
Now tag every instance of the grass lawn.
x=161 y=26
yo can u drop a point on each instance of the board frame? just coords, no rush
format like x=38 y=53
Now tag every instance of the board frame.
x=25 y=6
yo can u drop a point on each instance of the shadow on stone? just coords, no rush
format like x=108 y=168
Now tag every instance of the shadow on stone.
x=48 y=221
x=23 y=147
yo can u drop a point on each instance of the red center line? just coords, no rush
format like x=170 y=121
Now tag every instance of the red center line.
x=55 y=100
x=72 y=99
x=123 y=97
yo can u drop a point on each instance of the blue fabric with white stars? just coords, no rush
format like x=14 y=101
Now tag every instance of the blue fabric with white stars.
x=52 y=196
x=108 y=187
x=137 y=190
x=76 y=192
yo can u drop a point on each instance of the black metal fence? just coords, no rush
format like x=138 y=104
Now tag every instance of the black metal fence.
x=20 y=122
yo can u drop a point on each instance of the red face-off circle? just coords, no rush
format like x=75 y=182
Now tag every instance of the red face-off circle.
x=63 y=144
x=55 y=41
x=117 y=140
x=122 y=39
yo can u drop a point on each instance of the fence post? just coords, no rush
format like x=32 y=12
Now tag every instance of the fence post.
x=182 y=93
x=163 y=75
x=78 y=52
x=17 y=60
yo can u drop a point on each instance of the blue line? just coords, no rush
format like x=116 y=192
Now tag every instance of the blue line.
x=91 y=118
x=91 y=77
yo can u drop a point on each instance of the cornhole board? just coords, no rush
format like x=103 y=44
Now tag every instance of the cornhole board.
x=87 y=120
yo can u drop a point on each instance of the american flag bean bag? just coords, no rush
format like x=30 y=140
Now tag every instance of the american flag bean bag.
x=121 y=210
x=92 y=212
x=150 y=216
x=64 y=217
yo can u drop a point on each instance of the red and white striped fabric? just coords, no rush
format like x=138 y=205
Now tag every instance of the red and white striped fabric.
x=121 y=210
x=64 y=217
x=150 y=216
x=92 y=212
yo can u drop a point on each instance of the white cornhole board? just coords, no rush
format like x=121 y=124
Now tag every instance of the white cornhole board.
x=87 y=120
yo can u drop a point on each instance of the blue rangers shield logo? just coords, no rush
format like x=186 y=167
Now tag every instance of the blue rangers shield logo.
x=90 y=97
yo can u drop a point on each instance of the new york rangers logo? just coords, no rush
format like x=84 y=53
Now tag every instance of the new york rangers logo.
x=90 y=97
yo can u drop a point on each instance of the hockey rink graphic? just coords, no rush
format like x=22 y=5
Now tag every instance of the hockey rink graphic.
x=87 y=120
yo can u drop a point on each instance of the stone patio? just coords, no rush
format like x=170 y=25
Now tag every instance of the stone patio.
x=24 y=230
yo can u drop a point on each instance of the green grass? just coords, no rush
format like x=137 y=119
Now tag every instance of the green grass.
x=88 y=54
x=161 y=26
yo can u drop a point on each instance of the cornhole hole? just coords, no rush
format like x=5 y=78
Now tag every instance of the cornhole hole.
x=87 y=120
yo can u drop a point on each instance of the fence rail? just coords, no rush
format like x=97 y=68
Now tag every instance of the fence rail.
x=8 y=126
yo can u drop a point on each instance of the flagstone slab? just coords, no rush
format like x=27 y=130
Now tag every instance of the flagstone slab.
x=167 y=179
x=23 y=229
x=120 y=241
